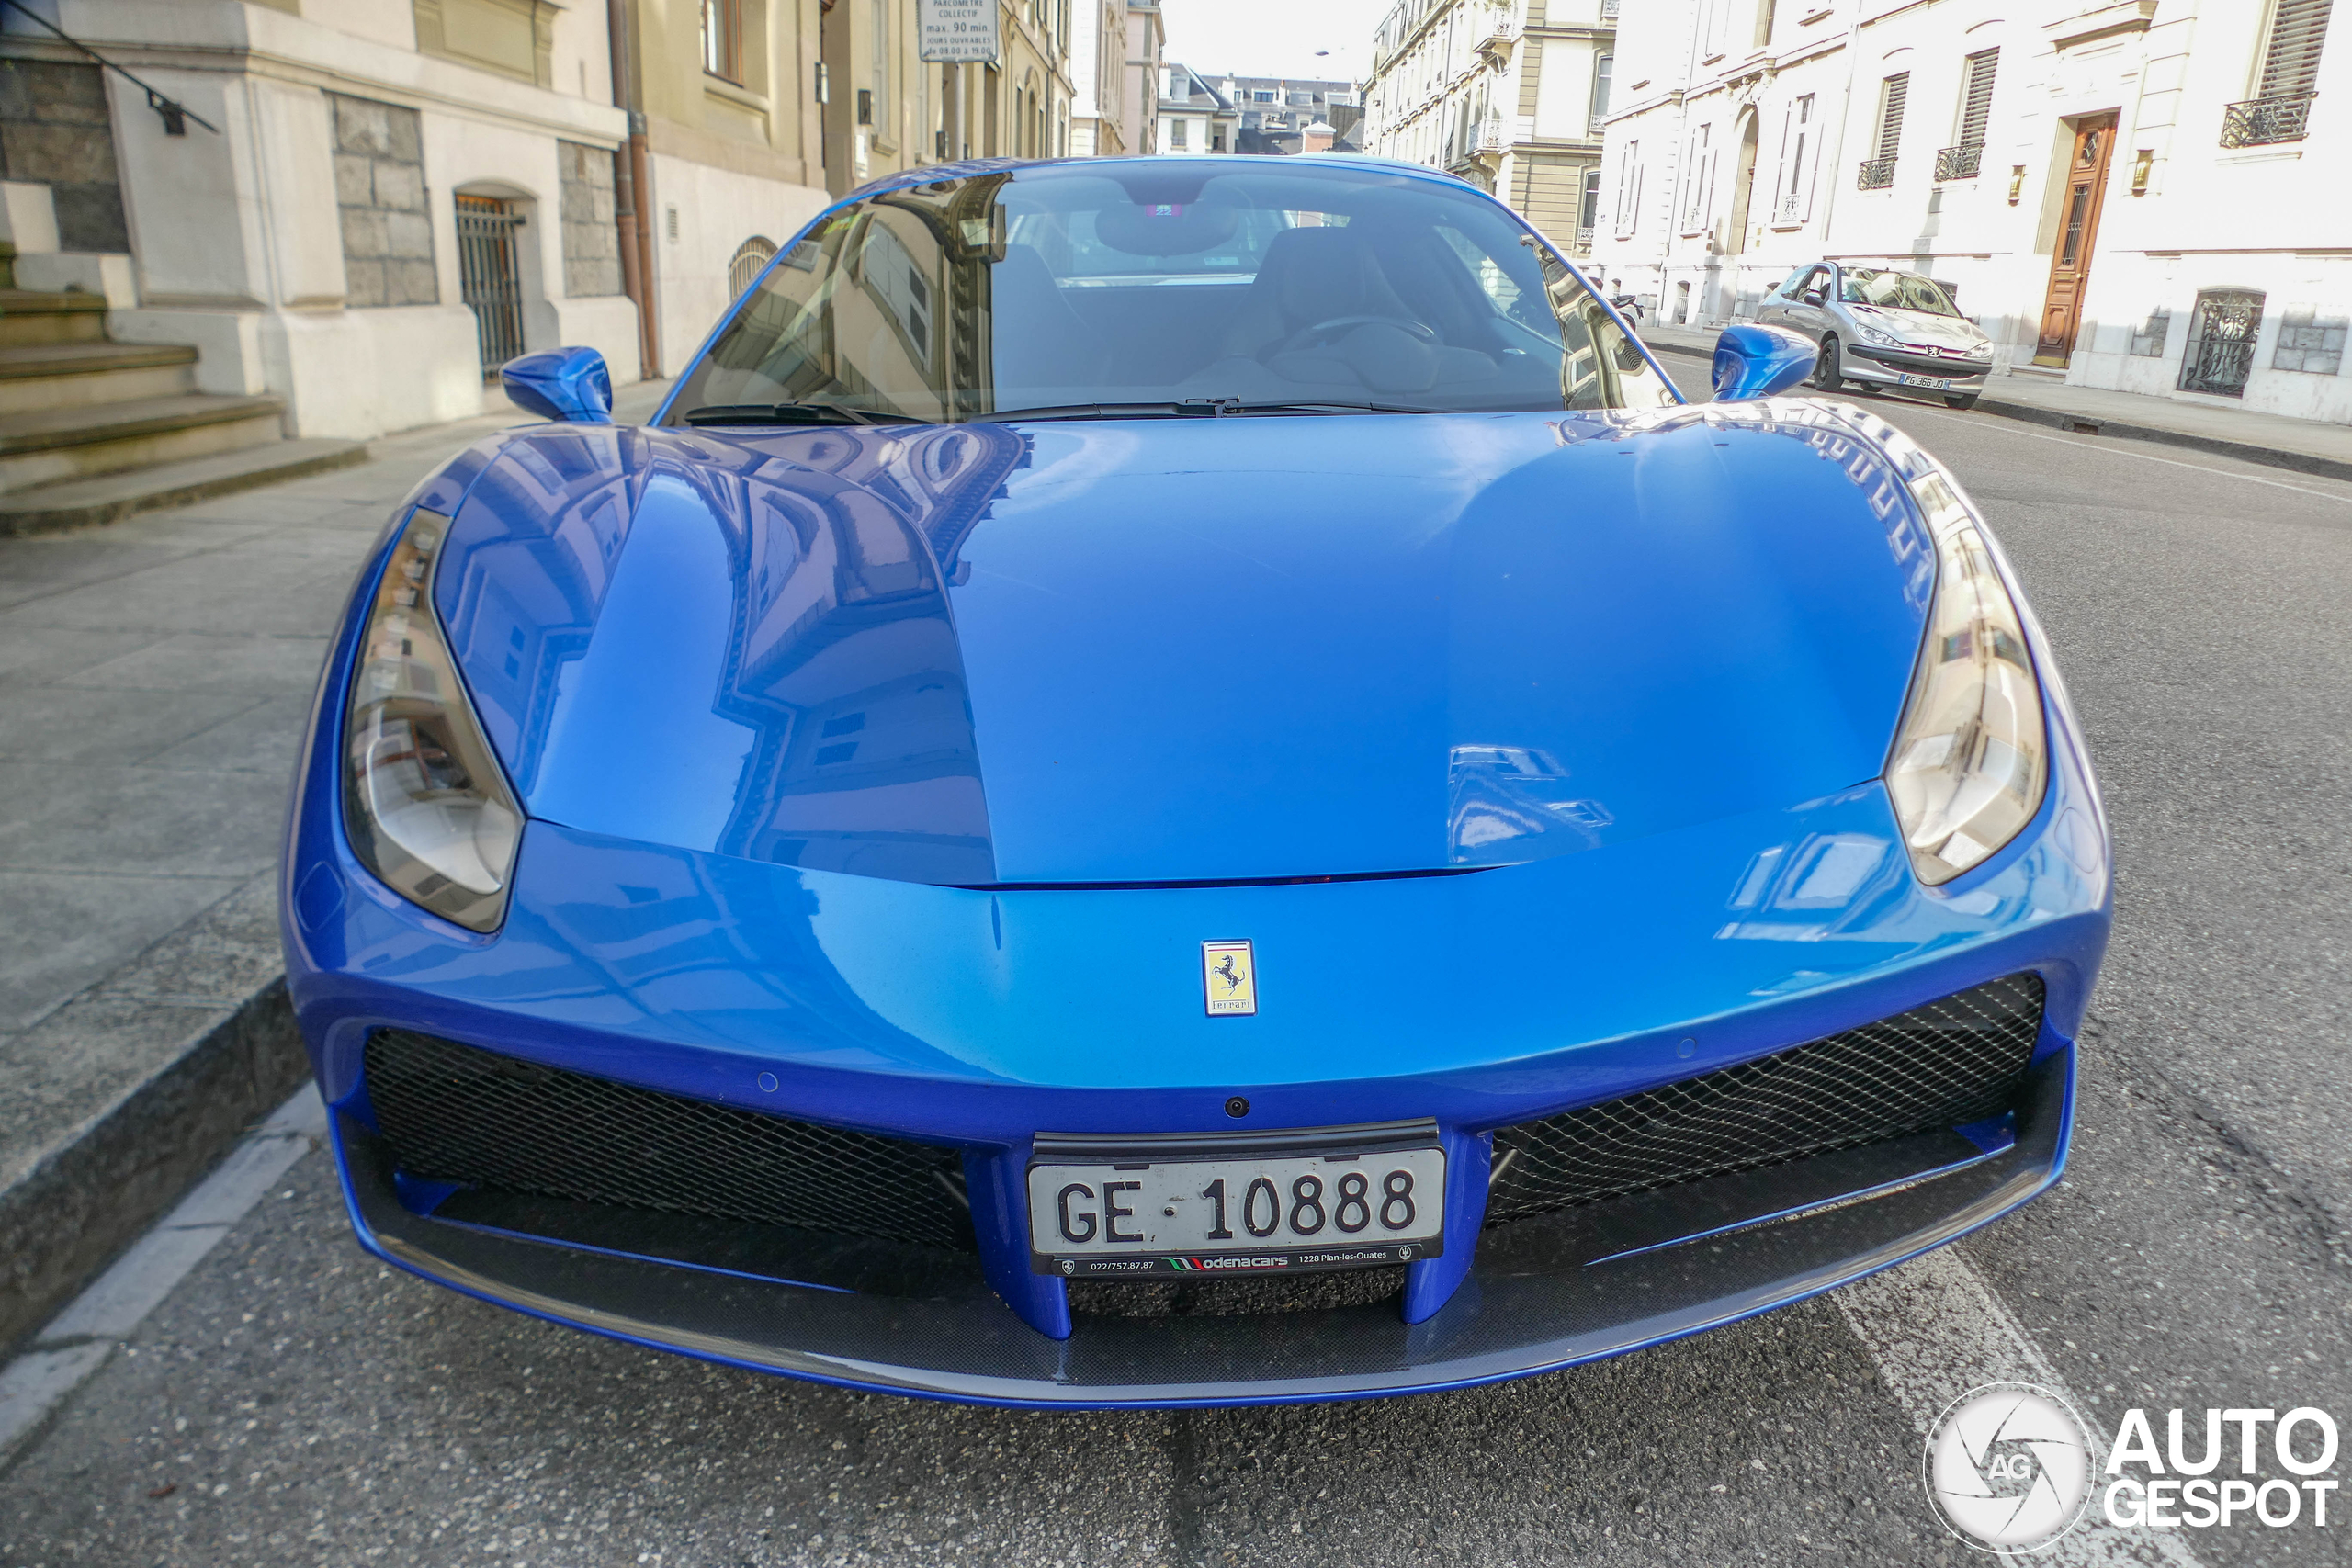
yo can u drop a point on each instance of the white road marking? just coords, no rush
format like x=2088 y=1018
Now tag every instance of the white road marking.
x=80 y=1339
x=1935 y=1330
x=2134 y=457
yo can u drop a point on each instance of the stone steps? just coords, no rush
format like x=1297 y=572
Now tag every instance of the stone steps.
x=88 y=502
x=29 y=317
x=58 y=445
x=37 y=376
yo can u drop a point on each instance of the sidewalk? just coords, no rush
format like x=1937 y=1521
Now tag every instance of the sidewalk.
x=154 y=677
x=2305 y=445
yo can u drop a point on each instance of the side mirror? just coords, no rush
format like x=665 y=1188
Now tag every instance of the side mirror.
x=1757 y=361
x=566 y=384
x=1817 y=295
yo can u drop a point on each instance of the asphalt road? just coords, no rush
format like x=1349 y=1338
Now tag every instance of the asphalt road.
x=291 y=1402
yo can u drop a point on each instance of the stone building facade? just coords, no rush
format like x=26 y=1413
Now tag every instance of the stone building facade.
x=54 y=121
x=380 y=195
x=1508 y=93
x=374 y=202
x=2138 y=195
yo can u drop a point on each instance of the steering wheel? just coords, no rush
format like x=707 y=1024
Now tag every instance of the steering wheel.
x=1305 y=335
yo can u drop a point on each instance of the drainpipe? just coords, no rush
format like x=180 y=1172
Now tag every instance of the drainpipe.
x=630 y=179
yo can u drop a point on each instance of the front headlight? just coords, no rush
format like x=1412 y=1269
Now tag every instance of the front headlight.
x=425 y=803
x=1875 y=335
x=1971 y=758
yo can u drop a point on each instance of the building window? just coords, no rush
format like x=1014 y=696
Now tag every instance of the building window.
x=1694 y=182
x=1796 y=176
x=2221 y=343
x=1603 y=66
x=1588 y=209
x=1176 y=131
x=2291 y=54
x=1961 y=160
x=1878 y=171
x=1629 y=190
x=751 y=258
x=1764 y=10
x=2281 y=106
x=881 y=115
x=722 y=39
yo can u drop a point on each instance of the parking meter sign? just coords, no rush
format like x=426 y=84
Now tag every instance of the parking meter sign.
x=958 y=32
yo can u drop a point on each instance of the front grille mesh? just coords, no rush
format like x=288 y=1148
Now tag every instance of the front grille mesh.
x=455 y=1113
x=1945 y=1065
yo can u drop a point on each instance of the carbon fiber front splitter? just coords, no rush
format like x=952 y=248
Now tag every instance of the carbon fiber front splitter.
x=1544 y=1294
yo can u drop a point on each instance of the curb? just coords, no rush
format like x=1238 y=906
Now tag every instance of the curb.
x=2077 y=424
x=102 y=1184
x=2245 y=452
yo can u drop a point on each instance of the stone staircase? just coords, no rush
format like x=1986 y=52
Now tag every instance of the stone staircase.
x=92 y=430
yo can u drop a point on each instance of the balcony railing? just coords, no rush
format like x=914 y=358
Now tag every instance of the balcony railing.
x=2257 y=122
x=1498 y=28
x=1791 y=209
x=1584 y=240
x=1960 y=163
x=1488 y=136
x=1608 y=10
x=1877 y=174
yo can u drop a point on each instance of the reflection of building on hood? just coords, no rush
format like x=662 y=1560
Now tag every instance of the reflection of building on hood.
x=853 y=546
x=1514 y=802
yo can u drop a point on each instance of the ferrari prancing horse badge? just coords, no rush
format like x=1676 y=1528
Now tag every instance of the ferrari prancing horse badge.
x=1230 y=978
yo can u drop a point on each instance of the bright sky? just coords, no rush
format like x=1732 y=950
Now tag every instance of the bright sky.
x=1330 y=40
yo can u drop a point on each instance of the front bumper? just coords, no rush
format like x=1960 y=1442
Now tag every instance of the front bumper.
x=1543 y=1293
x=731 y=1003
x=1869 y=362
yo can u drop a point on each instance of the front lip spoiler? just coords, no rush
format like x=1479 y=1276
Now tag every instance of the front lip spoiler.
x=1531 y=1303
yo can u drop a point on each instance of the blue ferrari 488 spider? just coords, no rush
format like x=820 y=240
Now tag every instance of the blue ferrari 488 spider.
x=1186 y=780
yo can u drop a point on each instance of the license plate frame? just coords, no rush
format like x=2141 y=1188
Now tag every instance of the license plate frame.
x=1067 y=1228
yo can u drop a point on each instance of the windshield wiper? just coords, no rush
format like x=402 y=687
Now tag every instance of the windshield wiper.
x=1193 y=408
x=795 y=414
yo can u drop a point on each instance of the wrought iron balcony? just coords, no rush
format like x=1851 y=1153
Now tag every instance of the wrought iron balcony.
x=1960 y=163
x=1488 y=136
x=2260 y=121
x=1608 y=10
x=1584 y=240
x=1877 y=174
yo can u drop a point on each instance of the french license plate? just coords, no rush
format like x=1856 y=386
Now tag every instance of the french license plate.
x=1323 y=1198
x=1930 y=382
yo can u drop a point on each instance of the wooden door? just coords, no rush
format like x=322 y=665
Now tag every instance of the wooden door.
x=2070 y=262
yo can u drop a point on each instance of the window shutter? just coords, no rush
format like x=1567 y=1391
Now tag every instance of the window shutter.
x=2290 y=61
x=1978 y=108
x=1889 y=115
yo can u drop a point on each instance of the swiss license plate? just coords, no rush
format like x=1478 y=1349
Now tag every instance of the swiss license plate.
x=1178 y=1208
x=1930 y=382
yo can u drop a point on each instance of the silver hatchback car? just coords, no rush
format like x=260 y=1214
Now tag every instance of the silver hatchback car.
x=1882 y=328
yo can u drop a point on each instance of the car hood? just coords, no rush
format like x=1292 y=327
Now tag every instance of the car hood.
x=1146 y=651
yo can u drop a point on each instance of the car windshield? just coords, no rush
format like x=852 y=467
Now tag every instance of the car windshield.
x=1894 y=291
x=1170 y=286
